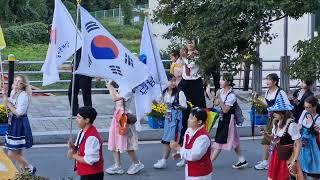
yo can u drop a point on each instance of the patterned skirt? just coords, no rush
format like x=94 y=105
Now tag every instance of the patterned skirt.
x=19 y=134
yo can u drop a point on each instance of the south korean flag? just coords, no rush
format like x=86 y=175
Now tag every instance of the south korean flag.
x=104 y=56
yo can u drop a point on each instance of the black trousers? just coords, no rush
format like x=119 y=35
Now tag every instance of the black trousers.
x=185 y=117
x=194 y=92
x=98 y=176
x=84 y=83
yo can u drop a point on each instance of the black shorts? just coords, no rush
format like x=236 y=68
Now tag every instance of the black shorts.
x=98 y=176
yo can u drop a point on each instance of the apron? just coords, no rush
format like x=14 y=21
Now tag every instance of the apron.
x=223 y=125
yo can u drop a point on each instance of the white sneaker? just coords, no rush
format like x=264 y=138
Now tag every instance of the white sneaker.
x=114 y=170
x=261 y=165
x=181 y=163
x=161 y=164
x=135 y=168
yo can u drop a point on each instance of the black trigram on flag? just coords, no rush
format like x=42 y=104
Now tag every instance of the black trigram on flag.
x=90 y=26
x=90 y=61
x=128 y=60
x=116 y=70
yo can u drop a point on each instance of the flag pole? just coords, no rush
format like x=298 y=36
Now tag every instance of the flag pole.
x=154 y=56
x=74 y=68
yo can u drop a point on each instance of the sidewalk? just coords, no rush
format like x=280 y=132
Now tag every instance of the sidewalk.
x=50 y=123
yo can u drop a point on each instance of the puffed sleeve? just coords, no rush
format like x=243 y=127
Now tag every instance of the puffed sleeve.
x=231 y=99
x=294 y=131
x=22 y=103
x=303 y=114
x=182 y=99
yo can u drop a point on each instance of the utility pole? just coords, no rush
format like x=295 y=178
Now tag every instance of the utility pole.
x=285 y=60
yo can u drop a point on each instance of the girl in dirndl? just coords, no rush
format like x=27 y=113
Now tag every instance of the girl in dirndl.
x=176 y=102
x=118 y=143
x=19 y=135
x=285 y=142
x=269 y=100
x=227 y=137
x=310 y=152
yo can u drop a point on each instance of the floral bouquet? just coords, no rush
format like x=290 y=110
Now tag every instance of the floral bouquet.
x=159 y=110
x=3 y=114
x=259 y=106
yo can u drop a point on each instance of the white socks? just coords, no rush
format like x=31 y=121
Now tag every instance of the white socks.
x=242 y=159
x=265 y=162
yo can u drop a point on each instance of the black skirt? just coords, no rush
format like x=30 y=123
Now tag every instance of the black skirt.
x=223 y=128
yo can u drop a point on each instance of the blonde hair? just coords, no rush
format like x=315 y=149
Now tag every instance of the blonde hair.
x=25 y=81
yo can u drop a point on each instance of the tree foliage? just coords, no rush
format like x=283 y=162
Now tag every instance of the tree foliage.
x=227 y=29
x=306 y=66
x=17 y=11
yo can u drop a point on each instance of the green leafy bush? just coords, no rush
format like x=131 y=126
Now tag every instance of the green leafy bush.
x=122 y=31
x=27 y=33
x=27 y=176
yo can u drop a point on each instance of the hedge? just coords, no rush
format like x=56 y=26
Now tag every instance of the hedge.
x=28 y=33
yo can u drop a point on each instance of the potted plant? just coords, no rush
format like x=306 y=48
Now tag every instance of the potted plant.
x=3 y=120
x=259 y=113
x=157 y=115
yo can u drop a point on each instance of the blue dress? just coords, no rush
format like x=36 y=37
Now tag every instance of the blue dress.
x=19 y=134
x=310 y=152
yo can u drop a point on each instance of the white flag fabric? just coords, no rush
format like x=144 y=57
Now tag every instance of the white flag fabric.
x=157 y=82
x=150 y=55
x=104 y=56
x=62 y=43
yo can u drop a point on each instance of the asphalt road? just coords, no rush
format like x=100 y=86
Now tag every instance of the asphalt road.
x=51 y=161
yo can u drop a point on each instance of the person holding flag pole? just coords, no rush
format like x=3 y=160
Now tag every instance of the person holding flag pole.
x=104 y=56
x=62 y=46
x=88 y=169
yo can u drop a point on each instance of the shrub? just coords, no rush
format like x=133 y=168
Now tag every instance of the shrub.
x=27 y=33
x=27 y=176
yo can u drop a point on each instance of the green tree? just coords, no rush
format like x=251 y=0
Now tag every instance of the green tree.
x=19 y=12
x=306 y=66
x=127 y=7
x=226 y=30
x=41 y=9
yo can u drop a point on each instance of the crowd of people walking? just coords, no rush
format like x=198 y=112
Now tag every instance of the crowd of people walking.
x=290 y=144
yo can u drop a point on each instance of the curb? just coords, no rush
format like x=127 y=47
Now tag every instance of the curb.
x=147 y=134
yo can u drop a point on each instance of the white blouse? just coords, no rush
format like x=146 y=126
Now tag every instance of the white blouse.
x=228 y=100
x=91 y=149
x=293 y=130
x=199 y=149
x=303 y=120
x=271 y=96
x=21 y=102
x=194 y=70
x=182 y=99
